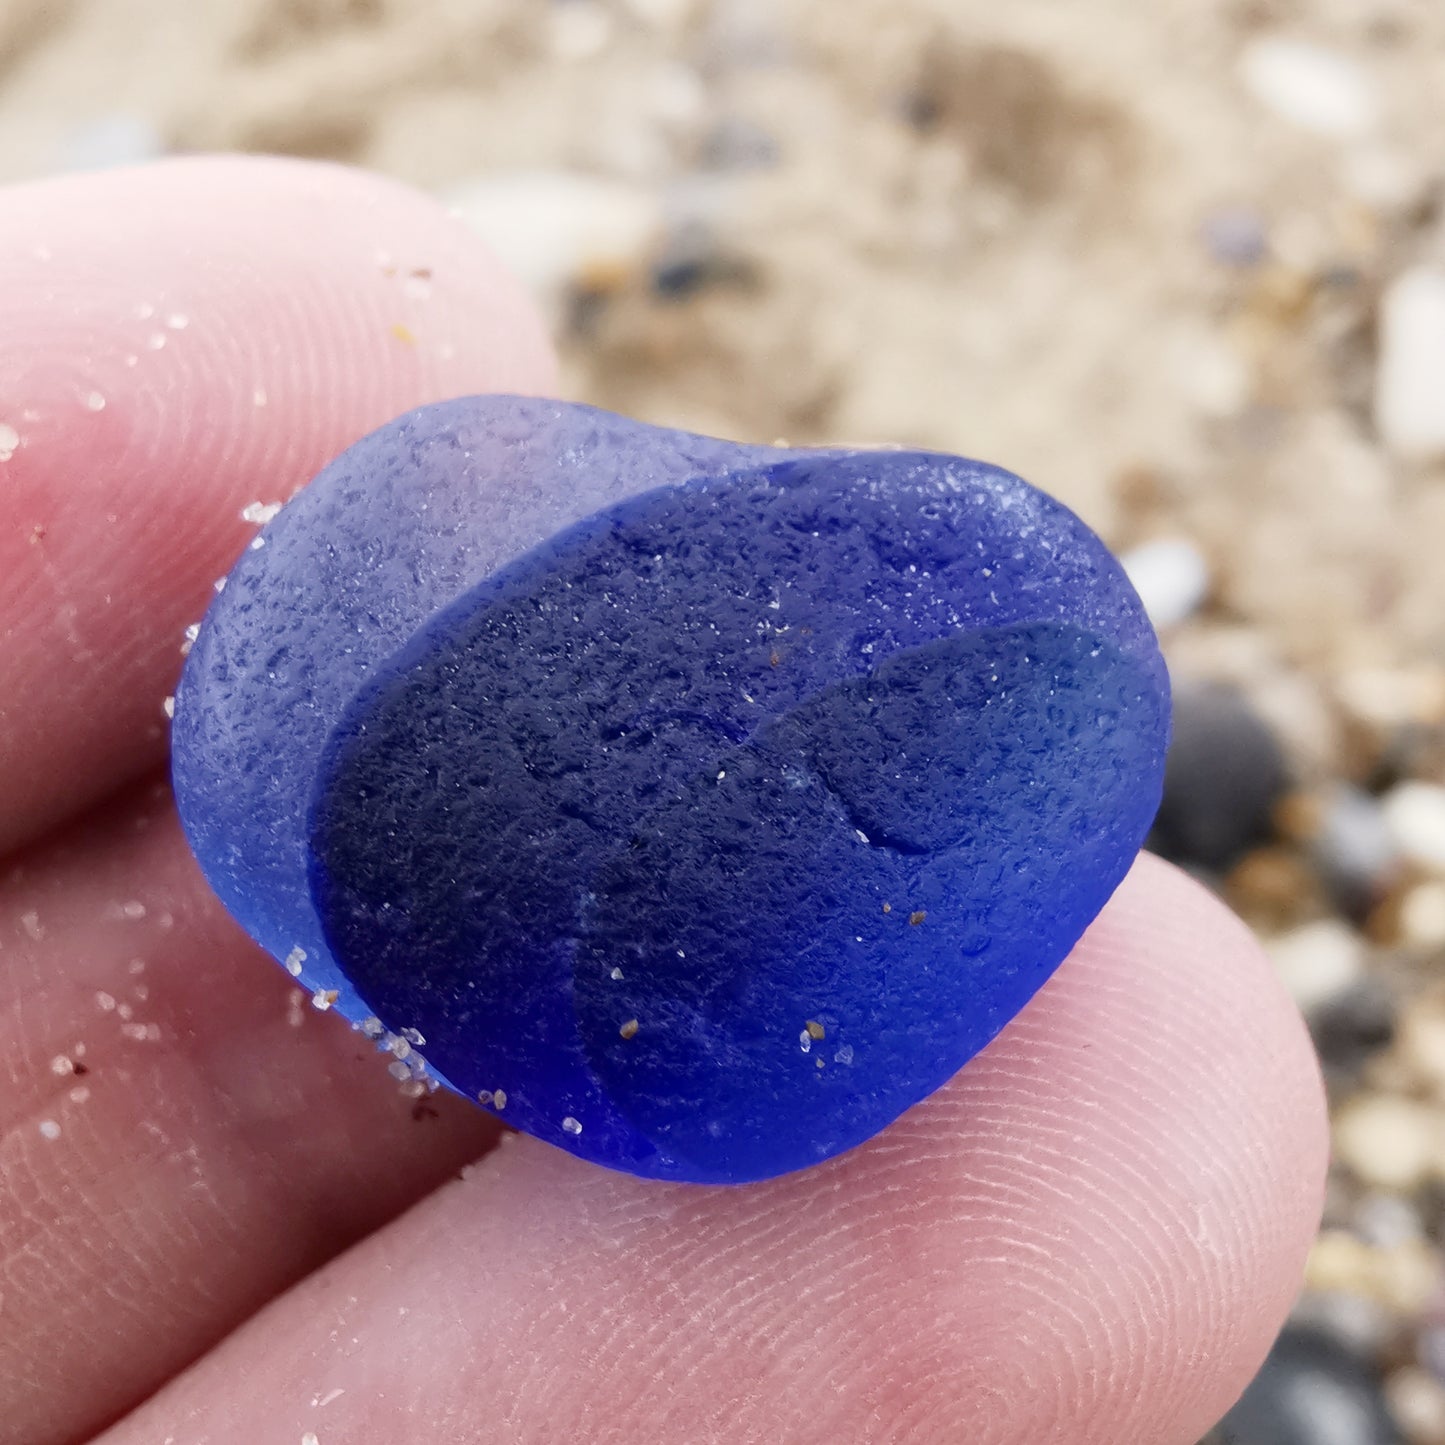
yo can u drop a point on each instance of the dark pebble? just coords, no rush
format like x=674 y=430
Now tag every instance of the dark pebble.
x=1350 y=1029
x=1225 y=774
x=1311 y=1391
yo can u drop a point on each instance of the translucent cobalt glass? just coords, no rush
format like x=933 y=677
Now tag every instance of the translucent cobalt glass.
x=696 y=807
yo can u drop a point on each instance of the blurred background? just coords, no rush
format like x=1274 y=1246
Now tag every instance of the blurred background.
x=1182 y=263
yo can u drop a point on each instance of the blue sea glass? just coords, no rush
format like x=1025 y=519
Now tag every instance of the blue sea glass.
x=702 y=807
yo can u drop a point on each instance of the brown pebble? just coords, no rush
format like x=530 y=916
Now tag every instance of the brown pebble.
x=916 y=918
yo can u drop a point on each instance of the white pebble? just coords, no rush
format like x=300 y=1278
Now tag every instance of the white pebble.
x=168 y=706
x=571 y=1125
x=1314 y=88
x=1417 y=1402
x=1384 y=179
x=1422 y=916
x=111 y=139
x=94 y=401
x=9 y=441
x=1213 y=374
x=294 y=960
x=1388 y=1141
x=49 y=1129
x=1319 y=961
x=1171 y=577
x=260 y=512
x=553 y=227
x=1410 y=379
x=1415 y=815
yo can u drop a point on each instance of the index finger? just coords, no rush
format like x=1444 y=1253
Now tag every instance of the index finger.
x=149 y=391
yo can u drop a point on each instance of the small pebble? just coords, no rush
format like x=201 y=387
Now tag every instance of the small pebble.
x=1236 y=236
x=1422 y=916
x=1362 y=1325
x=1420 y=1042
x=1389 y=1141
x=1353 y=849
x=1409 y=398
x=107 y=141
x=1171 y=577
x=1226 y=772
x=1353 y=1028
x=1385 y=179
x=1386 y=698
x=1401 y=1276
x=1417 y=1401
x=561 y=229
x=1387 y=1221
x=1317 y=89
x=1318 y=962
x=1311 y=1391
x=1415 y=815
x=1410 y=379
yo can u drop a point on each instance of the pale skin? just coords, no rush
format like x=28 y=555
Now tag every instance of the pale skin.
x=238 y=1232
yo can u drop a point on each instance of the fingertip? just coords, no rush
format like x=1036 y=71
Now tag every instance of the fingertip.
x=182 y=339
